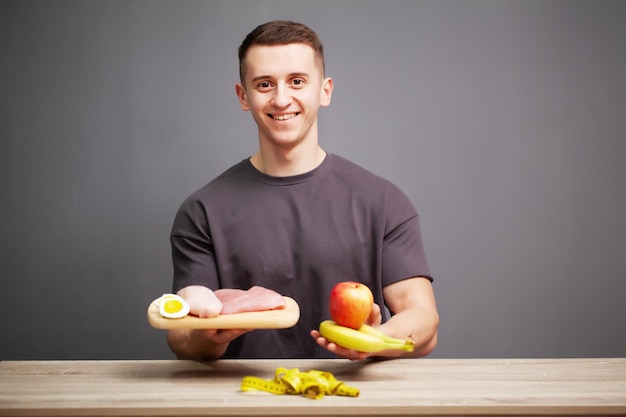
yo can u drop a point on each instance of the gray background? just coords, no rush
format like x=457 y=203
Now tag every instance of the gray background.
x=504 y=122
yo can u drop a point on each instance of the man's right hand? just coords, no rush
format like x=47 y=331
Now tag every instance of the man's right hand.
x=201 y=344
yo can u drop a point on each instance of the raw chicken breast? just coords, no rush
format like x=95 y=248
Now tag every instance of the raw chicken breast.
x=255 y=299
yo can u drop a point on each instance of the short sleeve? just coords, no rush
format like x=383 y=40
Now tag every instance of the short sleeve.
x=403 y=249
x=192 y=251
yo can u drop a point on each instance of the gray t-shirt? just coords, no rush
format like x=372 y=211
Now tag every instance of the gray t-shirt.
x=299 y=236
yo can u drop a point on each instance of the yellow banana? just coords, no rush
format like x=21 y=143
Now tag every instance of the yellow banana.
x=360 y=340
x=375 y=332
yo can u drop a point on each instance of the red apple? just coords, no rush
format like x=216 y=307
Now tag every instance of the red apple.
x=350 y=304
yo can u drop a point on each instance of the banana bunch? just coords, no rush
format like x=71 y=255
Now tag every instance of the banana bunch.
x=366 y=339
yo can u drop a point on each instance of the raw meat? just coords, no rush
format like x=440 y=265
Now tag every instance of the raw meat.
x=255 y=299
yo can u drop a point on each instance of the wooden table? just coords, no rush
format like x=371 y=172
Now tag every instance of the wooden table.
x=389 y=388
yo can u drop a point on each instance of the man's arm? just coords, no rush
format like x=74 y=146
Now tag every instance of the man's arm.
x=415 y=316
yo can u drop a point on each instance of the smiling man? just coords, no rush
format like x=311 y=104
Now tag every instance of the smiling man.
x=283 y=86
x=297 y=220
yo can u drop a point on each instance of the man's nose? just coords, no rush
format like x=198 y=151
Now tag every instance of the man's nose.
x=281 y=98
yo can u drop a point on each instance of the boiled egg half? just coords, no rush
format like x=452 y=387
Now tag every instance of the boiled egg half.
x=172 y=306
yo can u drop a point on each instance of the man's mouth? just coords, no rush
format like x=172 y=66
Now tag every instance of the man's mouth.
x=283 y=116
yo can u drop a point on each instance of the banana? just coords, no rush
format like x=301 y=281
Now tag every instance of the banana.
x=375 y=332
x=360 y=340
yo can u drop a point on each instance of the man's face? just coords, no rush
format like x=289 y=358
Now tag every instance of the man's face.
x=284 y=88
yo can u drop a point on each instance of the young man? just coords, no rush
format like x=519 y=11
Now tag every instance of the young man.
x=297 y=220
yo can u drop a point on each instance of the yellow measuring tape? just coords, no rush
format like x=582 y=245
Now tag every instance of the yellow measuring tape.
x=312 y=384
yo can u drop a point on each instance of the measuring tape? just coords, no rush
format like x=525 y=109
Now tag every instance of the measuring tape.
x=312 y=384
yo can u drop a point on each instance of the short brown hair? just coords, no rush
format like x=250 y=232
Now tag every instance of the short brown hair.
x=280 y=32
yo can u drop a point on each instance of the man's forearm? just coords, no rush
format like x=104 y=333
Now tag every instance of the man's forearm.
x=419 y=324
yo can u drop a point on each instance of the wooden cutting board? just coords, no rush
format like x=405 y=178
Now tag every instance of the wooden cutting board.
x=270 y=319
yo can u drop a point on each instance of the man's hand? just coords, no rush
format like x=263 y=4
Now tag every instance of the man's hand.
x=201 y=344
x=414 y=315
x=374 y=319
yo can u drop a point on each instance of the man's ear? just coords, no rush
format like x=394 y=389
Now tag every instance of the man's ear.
x=327 y=92
x=242 y=96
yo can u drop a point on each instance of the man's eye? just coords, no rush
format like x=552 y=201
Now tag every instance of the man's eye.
x=298 y=82
x=264 y=84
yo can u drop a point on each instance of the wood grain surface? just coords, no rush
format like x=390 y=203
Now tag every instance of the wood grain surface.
x=401 y=387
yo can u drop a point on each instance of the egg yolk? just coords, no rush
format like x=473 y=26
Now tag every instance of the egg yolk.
x=172 y=306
